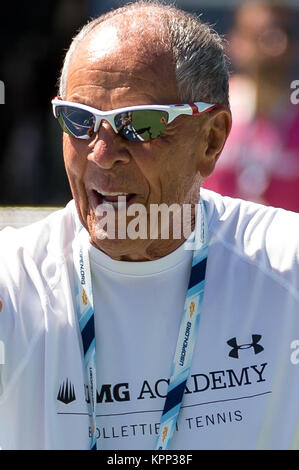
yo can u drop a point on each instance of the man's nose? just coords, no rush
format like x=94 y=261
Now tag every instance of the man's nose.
x=107 y=148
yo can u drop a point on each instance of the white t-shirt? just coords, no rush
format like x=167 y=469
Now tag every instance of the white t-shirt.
x=242 y=392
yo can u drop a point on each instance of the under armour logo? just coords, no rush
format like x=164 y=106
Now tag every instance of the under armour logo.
x=66 y=392
x=257 y=348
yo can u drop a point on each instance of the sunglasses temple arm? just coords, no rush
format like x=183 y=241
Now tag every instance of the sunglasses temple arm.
x=177 y=111
x=193 y=109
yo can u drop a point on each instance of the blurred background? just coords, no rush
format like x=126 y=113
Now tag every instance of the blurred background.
x=261 y=159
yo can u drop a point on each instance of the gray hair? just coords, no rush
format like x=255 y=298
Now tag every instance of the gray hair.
x=201 y=64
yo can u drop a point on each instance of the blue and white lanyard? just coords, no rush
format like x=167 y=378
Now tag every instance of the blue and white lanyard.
x=186 y=338
x=85 y=311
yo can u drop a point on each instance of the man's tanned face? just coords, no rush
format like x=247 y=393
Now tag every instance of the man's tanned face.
x=111 y=68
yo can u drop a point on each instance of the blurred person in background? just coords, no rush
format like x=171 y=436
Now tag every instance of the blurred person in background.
x=31 y=53
x=261 y=159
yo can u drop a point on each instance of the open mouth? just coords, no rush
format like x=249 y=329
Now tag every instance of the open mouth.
x=118 y=200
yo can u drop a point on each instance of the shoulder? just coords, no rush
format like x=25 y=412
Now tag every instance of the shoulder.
x=31 y=257
x=263 y=236
x=33 y=273
x=50 y=235
x=34 y=286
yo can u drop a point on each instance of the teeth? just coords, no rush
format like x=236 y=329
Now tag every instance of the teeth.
x=111 y=194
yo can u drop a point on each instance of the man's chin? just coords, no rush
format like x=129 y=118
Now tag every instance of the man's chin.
x=114 y=244
x=118 y=249
x=111 y=237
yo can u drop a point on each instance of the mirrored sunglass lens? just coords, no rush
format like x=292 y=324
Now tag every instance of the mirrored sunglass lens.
x=141 y=126
x=76 y=122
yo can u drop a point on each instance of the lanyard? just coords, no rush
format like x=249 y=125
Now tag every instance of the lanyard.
x=187 y=334
x=85 y=311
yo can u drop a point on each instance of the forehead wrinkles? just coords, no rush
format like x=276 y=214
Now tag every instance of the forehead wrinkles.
x=119 y=69
x=136 y=57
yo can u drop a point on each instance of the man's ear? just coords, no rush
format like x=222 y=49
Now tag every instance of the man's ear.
x=217 y=128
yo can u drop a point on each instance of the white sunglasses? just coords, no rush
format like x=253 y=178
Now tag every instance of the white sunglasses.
x=133 y=123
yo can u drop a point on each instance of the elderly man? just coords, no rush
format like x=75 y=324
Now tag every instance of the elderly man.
x=115 y=335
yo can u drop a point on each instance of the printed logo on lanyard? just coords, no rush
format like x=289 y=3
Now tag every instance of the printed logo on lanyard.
x=85 y=311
